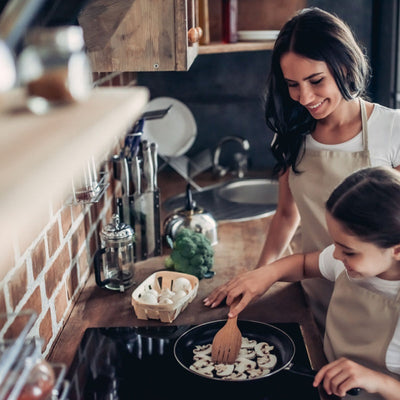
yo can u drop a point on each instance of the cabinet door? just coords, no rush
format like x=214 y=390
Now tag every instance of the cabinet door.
x=139 y=35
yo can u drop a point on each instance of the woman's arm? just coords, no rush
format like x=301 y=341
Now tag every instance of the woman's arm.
x=252 y=284
x=283 y=225
x=343 y=374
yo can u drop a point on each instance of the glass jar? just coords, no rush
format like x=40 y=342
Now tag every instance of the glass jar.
x=54 y=68
x=40 y=382
x=115 y=259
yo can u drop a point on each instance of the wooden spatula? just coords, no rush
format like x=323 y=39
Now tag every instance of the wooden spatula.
x=227 y=341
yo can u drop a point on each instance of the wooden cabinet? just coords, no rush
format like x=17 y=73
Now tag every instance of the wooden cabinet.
x=258 y=15
x=139 y=35
x=152 y=35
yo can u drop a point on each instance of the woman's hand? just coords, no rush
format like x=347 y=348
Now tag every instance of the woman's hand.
x=248 y=285
x=252 y=284
x=341 y=375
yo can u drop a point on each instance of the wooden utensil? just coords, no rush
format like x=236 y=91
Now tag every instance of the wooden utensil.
x=227 y=341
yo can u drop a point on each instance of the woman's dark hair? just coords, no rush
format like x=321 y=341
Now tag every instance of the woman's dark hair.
x=321 y=36
x=367 y=204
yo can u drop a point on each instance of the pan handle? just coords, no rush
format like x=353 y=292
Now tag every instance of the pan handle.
x=310 y=373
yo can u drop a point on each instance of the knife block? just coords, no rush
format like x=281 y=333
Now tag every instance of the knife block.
x=141 y=211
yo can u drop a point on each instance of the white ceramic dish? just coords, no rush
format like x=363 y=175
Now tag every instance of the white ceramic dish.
x=176 y=132
x=257 y=35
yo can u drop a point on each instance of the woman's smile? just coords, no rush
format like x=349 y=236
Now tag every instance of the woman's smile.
x=316 y=108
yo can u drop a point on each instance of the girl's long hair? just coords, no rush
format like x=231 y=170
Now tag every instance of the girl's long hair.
x=321 y=36
x=367 y=204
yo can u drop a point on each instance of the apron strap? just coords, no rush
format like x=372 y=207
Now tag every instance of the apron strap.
x=364 y=122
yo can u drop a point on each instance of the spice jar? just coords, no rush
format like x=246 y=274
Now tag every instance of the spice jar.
x=54 y=68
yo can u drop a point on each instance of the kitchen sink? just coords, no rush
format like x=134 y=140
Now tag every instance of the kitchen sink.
x=237 y=200
x=251 y=191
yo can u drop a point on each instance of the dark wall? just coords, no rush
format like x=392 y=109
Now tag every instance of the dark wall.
x=225 y=91
x=225 y=94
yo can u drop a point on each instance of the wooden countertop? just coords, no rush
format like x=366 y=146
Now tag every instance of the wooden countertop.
x=238 y=249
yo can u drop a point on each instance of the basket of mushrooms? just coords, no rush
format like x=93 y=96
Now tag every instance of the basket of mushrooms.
x=164 y=295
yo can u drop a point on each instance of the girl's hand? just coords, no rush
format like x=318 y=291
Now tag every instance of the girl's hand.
x=341 y=375
x=248 y=285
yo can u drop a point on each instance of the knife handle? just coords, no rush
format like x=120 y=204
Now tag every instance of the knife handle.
x=147 y=166
x=125 y=177
x=154 y=155
x=136 y=175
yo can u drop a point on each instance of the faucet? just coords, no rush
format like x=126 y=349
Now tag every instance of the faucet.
x=239 y=157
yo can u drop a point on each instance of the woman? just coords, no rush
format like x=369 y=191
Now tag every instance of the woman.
x=324 y=131
x=362 y=338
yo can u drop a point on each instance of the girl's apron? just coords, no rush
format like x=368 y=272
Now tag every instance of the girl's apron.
x=360 y=325
x=321 y=172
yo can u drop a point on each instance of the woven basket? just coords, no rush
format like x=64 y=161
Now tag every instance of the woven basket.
x=164 y=312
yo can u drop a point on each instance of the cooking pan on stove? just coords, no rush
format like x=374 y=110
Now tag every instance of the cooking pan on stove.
x=284 y=347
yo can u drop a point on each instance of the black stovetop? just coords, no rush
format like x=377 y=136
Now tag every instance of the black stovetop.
x=138 y=362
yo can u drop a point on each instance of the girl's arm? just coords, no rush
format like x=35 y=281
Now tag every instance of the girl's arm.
x=343 y=374
x=252 y=284
x=283 y=224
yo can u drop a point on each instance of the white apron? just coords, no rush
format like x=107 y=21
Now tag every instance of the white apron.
x=321 y=172
x=360 y=325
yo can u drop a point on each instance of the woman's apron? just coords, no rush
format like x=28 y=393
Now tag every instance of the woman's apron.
x=360 y=325
x=321 y=172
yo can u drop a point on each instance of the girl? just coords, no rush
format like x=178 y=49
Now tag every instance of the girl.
x=324 y=131
x=362 y=338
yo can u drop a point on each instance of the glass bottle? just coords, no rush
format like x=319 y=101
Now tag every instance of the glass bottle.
x=229 y=21
x=54 y=68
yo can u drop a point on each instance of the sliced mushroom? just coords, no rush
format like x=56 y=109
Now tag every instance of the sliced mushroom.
x=202 y=356
x=263 y=348
x=203 y=367
x=237 y=376
x=224 y=369
x=264 y=372
x=247 y=343
x=269 y=361
x=243 y=364
x=201 y=364
x=254 y=360
x=255 y=373
x=203 y=349
x=247 y=353
x=206 y=370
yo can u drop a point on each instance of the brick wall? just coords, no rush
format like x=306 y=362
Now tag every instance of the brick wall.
x=47 y=270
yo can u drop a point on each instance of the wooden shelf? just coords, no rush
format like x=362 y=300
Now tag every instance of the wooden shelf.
x=218 y=47
x=39 y=155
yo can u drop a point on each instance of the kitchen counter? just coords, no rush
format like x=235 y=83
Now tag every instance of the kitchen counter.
x=238 y=249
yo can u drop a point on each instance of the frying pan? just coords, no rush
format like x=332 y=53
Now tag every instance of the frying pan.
x=284 y=347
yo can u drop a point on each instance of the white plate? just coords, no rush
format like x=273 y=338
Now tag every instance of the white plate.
x=176 y=132
x=257 y=35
